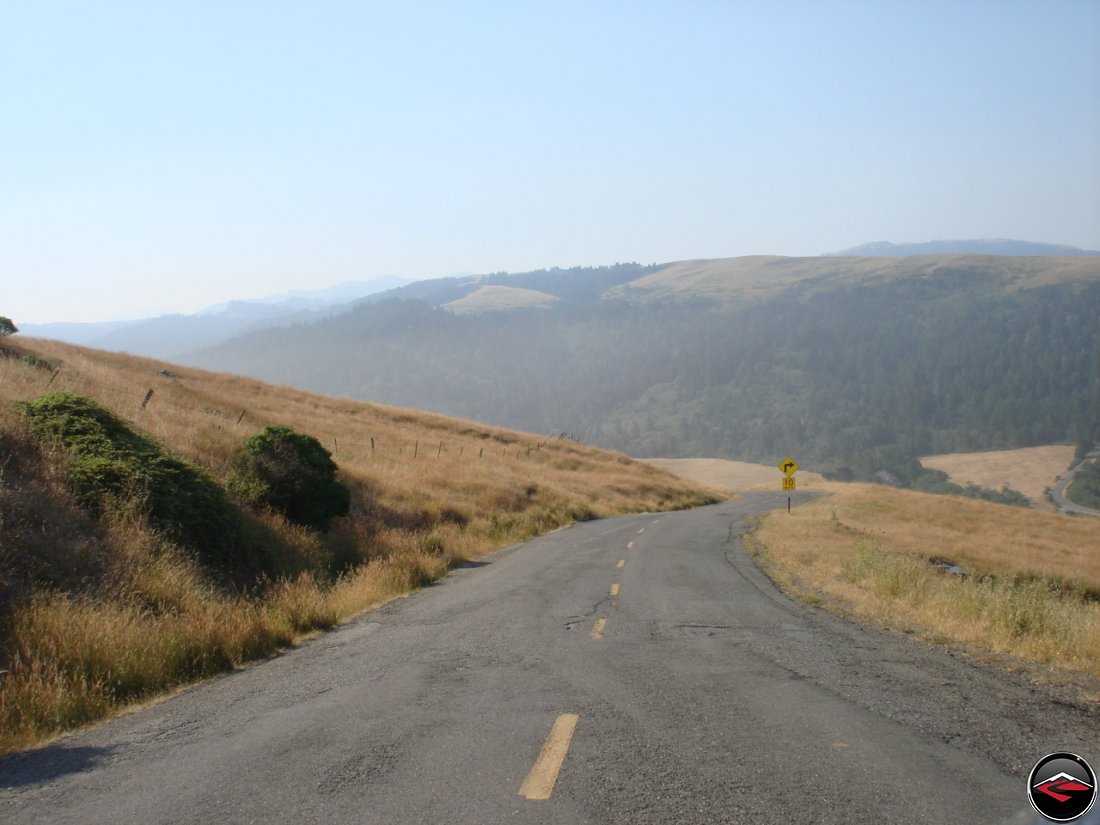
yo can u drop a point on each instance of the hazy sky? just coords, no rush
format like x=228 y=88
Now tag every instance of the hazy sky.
x=163 y=156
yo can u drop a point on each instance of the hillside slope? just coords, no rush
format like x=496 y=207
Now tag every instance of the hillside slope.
x=856 y=364
x=103 y=604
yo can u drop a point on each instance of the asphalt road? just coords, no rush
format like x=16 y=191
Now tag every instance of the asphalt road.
x=1058 y=491
x=703 y=696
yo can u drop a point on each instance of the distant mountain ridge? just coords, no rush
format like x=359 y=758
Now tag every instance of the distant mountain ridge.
x=167 y=336
x=341 y=293
x=988 y=246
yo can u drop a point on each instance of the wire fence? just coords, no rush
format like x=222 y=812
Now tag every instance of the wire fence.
x=177 y=396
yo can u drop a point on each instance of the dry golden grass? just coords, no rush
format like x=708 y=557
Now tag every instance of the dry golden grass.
x=128 y=615
x=1032 y=588
x=733 y=476
x=757 y=276
x=492 y=296
x=477 y=470
x=1031 y=470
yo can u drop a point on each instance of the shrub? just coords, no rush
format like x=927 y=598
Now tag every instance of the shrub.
x=112 y=468
x=41 y=363
x=292 y=473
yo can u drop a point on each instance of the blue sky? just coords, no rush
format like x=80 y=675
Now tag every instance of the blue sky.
x=164 y=156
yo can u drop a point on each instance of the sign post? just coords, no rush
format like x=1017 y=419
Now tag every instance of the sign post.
x=788 y=466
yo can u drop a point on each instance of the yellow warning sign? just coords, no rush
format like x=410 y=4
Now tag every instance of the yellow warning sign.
x=788 y=466
x=788 y=483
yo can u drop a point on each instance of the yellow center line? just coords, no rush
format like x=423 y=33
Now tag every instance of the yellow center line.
x=615 y=589
x=621 y=563
x=641 y=531
x=630 y=545
x=597 y=629
x=540 y=782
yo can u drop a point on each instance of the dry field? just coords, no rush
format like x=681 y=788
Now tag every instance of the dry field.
x=127 y=615
x=492 y=297
x=1031 y=470
x=734 y=476
x=1031 y=589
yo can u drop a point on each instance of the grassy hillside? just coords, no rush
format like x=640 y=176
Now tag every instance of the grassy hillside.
x=761 y=276
x=104 y=601
x=1031 y=470
x=488 y=298
x=1026 y=584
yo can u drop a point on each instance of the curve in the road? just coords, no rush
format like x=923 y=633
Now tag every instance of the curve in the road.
x=1058 y=491
x=706 y=697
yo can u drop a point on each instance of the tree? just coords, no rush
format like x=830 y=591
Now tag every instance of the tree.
x=7 y=327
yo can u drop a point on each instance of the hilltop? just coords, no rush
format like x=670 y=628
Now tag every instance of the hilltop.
x=105 y=599
x=988 y=246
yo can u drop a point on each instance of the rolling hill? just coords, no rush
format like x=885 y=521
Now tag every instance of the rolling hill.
x=857 y=365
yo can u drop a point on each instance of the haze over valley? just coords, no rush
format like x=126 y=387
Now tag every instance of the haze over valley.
x=857 y=365
x=550 y=413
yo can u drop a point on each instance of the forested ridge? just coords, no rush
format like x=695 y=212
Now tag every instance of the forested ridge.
x=854 y=378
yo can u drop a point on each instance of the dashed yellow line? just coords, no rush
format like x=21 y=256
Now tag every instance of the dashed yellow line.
x=597 y=629
x=642 y=530
x=540 y=782
x=615 y=589
x=621 y=563
x=630 y=545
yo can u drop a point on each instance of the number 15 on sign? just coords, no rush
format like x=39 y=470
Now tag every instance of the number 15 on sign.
x=789 y=483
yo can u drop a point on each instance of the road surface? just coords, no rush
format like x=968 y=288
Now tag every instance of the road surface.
x=659 y=675
x=1058 y=491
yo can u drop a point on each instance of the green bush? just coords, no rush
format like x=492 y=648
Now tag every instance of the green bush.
x=41 y=363
x=1085 y=489
x=292 y=473
x=111 y=467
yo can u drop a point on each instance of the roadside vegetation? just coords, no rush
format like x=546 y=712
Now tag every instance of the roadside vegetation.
x=1085 y=489
x=151 y=539
x=955 y=571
